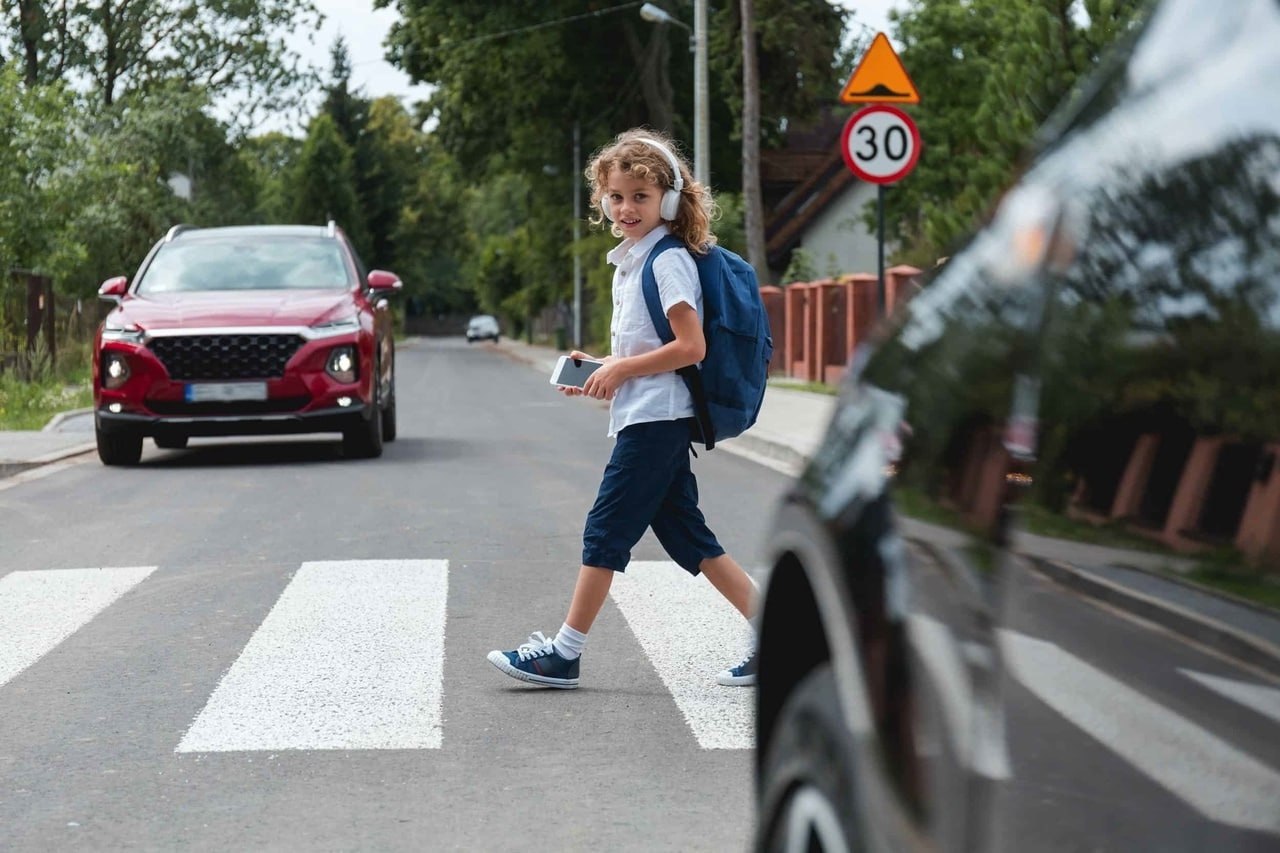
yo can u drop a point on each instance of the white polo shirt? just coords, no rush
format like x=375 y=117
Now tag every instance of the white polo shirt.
x=659 y=396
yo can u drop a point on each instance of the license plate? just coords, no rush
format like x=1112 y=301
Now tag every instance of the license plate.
x=224 y=392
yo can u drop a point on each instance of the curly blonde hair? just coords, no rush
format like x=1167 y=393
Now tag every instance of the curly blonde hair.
x=636 y=158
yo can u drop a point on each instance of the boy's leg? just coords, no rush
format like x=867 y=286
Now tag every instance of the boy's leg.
x=733 y=583
x=589 y=594
x=632 y=489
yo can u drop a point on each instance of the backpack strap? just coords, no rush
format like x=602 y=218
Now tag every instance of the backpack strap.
x=691 y=374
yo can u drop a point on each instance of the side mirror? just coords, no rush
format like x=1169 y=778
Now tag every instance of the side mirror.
x=383 y=280
x=114 y=289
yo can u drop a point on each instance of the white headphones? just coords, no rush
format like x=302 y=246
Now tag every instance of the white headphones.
x=670 y=204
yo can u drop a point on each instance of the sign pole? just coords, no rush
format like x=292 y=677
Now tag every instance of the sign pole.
x=880 y=295
x=880 y=143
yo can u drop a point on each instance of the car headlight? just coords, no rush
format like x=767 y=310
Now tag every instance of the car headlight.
x=337 y=327
x=342 y=364
x=115 y=370
x=115 y=331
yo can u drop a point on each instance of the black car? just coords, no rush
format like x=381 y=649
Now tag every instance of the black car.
x=986 y=623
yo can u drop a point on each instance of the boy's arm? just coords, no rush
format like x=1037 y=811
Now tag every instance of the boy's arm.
x=689 y=347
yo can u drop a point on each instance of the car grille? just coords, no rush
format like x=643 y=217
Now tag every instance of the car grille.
x=239 y=408
x=238 y=356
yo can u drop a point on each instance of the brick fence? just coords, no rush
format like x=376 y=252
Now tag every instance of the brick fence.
x=817 y=324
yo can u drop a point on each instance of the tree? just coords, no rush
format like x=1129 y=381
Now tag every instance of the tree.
x=752 y=201
x=325 y=180
x=230 y=48
x=1004 y=65
x=271 y=160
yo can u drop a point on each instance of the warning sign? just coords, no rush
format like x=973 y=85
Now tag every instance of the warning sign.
x=880 y=78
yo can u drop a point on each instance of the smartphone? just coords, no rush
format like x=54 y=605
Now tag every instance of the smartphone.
x=573 y=372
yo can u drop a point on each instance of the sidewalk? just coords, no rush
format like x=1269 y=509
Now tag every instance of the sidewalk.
x=788 y=432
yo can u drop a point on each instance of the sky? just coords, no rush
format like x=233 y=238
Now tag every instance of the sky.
x=365 y=29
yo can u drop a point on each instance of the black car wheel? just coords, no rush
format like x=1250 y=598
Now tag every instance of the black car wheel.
x=118 y=447
x=389 y=410
x=363 y=439
x=171 y=442
x=807 y=778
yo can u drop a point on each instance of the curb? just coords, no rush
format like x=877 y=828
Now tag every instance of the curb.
x=1203 y=629
x=11 y=469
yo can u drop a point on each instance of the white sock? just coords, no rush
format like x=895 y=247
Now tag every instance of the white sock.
x=568 y=642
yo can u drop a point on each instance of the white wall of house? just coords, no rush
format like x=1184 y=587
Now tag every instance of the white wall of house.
x=837 y=240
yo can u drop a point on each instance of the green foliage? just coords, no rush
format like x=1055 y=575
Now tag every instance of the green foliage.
x=800 y=269
x=325 y=180
x=232 y=48
x=270 y=160
x=999 y=68
x=798 y=44
x=27 y=402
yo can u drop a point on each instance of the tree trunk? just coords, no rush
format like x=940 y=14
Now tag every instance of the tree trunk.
x=655 y=84
x=753 y=204
x=31 y=24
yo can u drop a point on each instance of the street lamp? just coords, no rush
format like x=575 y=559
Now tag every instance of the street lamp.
x=698 y=47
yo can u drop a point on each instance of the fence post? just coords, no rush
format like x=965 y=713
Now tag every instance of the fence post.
x=39 y=317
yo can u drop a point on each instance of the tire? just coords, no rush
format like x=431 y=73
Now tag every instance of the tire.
x=171 y=442
x=389 y=410
x=118 y=447
x=363 y=440
x=808 y=790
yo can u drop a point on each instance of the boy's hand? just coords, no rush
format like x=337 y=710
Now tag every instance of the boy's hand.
x=606 y=381
x=569 y=390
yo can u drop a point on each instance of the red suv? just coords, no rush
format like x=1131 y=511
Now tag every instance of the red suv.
x=248 y=330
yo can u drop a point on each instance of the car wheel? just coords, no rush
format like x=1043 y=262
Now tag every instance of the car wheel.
x=118 y=447
x=807 y=784
x=171 y=442
x=495 y=339
x=389 y=411
x=363 y=440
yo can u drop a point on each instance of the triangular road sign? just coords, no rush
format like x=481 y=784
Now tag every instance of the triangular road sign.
x=880 y=78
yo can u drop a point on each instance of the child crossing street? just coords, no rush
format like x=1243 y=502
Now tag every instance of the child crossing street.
x=645 y=190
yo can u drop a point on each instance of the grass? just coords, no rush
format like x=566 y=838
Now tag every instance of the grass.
x=28 y=403
x=1223 y=570
x=1251 y=587
x=1044 y=522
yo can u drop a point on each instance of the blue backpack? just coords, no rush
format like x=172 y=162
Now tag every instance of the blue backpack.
x=728 y=387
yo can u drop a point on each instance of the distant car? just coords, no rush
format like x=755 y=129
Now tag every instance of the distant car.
x=246 y=331
x=1099 y=365
x=482 y=327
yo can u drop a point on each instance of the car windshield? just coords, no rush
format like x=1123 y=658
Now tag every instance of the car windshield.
x=240 y=263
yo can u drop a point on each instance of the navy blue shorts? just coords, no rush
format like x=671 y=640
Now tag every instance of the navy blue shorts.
x=648 y=483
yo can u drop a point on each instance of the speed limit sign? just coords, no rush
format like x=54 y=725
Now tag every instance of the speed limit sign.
x=880 y=144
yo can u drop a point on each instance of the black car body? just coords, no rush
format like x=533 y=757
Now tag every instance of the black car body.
x=1087 y=392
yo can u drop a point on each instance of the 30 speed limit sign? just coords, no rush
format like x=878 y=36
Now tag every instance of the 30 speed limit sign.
x=880 y=144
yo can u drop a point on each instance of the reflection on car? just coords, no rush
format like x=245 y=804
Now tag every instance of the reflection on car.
x=482 y=327
x=246 y=331
x=1089 y=389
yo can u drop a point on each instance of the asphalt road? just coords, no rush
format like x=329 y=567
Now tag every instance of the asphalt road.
x=258 y=644
x=164 y=721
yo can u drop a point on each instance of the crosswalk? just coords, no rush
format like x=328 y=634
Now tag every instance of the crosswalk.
x=351 y=657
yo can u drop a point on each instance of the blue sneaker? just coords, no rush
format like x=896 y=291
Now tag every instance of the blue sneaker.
x=742 y=675
x=538 y=662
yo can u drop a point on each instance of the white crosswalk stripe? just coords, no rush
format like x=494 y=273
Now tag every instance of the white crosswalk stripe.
x=1257 y=697
x=690 y=632
x=1214 y=777
x=350 y=657
x=38 y=610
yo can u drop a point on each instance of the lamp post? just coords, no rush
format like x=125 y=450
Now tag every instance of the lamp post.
x=698 y=47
